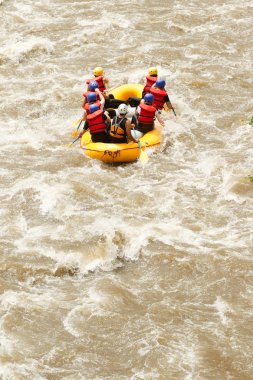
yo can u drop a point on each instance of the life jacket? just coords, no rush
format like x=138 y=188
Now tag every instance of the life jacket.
x=150 y=81
x=96 y=123
x=147 y=114
x=158 y=97
x=87 y=106
x=99 y=81
x=118 y=129
x=90 y=92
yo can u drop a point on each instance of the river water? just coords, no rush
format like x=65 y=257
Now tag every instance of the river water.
x=129 y=271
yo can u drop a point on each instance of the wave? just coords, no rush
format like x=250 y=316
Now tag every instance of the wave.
x=19 y=51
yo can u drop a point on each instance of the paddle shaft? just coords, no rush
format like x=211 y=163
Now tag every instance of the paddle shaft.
x=172 y=107
x=143 y=156
x=79 y=124
x=74 y=141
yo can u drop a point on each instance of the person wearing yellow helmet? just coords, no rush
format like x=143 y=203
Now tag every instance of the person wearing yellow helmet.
x=99 y=77
x=98 y=71
x=149 y=80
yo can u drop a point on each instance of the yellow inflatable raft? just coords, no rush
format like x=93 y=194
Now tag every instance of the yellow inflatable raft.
x=111 y=153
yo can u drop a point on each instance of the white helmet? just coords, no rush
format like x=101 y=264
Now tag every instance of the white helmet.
x=123 y=109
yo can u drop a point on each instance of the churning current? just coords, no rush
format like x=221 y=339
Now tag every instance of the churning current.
x=128 y=271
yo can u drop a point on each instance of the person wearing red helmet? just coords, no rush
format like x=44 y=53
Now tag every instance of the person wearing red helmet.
x=97 y=123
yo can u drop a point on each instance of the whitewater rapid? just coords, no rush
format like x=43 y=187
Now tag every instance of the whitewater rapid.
x=127 y=271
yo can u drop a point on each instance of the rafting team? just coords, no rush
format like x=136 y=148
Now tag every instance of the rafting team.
x=131 y=119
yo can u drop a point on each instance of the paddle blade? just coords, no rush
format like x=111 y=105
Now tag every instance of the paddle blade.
x=74 y=134
x=143 y=157
x=75 y=124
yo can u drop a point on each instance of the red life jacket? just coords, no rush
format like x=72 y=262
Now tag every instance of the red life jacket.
x=99 y=81
x=90 y=92
x=96 y=123
x=147 y=114
x=87 y=106
x=150 y=82
x=158 y=97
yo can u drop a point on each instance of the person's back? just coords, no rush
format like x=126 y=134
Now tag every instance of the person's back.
x=93 y=86
x=120 y=131
x=91 y=98
x=159 y=93
x=99 y=77
x=146 y=114
x=96 y=123
x=150 y=80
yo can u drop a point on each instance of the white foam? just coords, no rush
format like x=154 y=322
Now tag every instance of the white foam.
x=222 y=309
x=94 y=304
x=17 y=49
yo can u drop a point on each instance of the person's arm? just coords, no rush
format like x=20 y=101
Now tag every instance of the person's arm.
x=84 y=100
x=84 y=115
x=134 y=121
x=85 y=128
x=108 y=119
x=106 y=80
x=128 y=130
x=169 y=105
x=101 y=97
x=167 y=102
x=159 y=118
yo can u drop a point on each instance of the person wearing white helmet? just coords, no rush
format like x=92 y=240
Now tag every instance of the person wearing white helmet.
x=120 y=131
x=115 y=111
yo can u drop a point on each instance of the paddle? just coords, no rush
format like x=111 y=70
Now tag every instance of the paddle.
x=74 y=124
x=172 y=107
x=75 y=133
x=143 y=155
x=72 y=142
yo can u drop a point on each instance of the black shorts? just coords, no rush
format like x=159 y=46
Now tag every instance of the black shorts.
x=113 y=103
x=114 y=140
x=100 y=137
x=134 y=101
x=144 y=128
